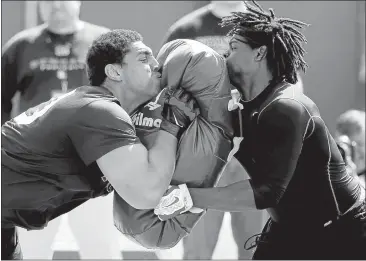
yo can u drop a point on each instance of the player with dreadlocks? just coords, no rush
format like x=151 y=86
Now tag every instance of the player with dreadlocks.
x=317 y=209
x=284 y=51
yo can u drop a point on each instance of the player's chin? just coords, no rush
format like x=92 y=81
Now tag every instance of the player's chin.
x=150 y=93
x=154 y=86
x=155 y=92
x=234 y=80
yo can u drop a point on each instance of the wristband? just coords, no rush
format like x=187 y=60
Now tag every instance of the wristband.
x=173 y=129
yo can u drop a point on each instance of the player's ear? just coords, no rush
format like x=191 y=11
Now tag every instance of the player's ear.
x=114 y=72
x=260 y=53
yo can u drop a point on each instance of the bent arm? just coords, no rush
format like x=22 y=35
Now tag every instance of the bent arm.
x=138 y=175
x=235 y=197
x=282 y=130
x=103 y=132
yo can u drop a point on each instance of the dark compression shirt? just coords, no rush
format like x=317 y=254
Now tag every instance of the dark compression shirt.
x=295 y=166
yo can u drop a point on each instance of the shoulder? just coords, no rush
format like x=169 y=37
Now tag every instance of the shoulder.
x=283 y=106
x=290 y=100
x=286 y=105
x=107 y=106
x=103 y=110
x=188 y=26
x=191 y=20
x=284 y=118
x=26 y=36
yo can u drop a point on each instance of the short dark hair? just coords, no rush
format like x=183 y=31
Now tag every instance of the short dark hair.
x=285 y=55
x=109 y=48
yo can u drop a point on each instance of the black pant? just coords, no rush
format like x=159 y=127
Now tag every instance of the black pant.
x=343 y=239
x=10 y=248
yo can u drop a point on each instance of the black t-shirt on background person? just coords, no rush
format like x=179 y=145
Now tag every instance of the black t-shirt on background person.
x=203 y=26
x=40 y=65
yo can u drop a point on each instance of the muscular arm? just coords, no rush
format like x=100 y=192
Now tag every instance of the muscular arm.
x=281 y=128
x=103 y=132
x=138 y=175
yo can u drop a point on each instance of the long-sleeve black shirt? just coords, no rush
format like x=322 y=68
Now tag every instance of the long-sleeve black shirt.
x=295 y=166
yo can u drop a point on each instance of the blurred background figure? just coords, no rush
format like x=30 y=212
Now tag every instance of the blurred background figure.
x=203 y=25
x=350 y=137
x=48 y=59
x=45 y=61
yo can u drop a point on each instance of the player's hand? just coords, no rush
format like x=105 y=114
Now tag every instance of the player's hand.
x=179 y=111
x=175 y=201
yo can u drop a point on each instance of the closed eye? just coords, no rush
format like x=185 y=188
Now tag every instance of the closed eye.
x=144 y=60
x=232 y=47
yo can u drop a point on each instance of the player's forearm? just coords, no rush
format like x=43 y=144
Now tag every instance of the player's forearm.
x=161 y=160
x=236 y=197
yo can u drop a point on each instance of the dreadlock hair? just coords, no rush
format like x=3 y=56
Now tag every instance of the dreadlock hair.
x=285 y=55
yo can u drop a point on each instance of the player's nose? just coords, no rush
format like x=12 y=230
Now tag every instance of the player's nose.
x=154 y=64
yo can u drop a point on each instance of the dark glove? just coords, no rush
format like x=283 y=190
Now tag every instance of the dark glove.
x=179 y=111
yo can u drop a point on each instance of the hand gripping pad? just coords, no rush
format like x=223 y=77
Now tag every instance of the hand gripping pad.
x=202 y=150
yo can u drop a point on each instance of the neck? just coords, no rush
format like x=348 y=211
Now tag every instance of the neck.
x=221 y=8
x=68 y=29
x=252 y=86
x=128 y=99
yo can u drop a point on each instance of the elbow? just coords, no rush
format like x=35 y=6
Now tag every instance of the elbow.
x=267 y=198
x=144 y=205
x=147 y=202
x=141 y=198
x=149 y=198
x=152 y=194
x=145 y=197
x=264 y=203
